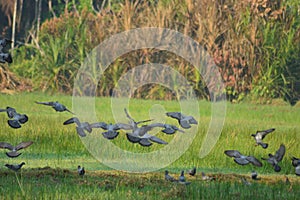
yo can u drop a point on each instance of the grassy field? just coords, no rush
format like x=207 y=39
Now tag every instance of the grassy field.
x=51 y=162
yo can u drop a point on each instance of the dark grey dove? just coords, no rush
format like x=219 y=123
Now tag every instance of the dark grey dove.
x=168 y=128
x=112 y=129
x=181 y=179
x=206 y=178
x=275 y=159
x=81 y=126
x=296 y=164
x=183 y=120
x=5 y=58
x=254 y=175
x=295 y=161
x=192 y=172
x=80 y=170
x=260 y=135
x=14 y=149
x=58 y=107
x=169 y=178
x=242 y=159
x=15 y=167
x=16 y=119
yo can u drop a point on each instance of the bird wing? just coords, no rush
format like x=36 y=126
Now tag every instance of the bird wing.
x=110 y=134
x=124 y=126
x=176 y=115
x=69 y=111
x=233 y=153
x=192 y=120
x=156 y=125
x=23 y=145
x=5 y=145
x=145 y=142
x=241 y=161
x=13 y=154
x=80 y=132
x=297 y=170
x=280 y=153
x=184 y=124
x=254 y=161
x=14 y=123
x=265 y=132
x=143 y=121
x=72 y=120
x=102 y=125
x=132 y=138
x=157 y=140
x=23 y=118
x=127 y=115
x=50 y=103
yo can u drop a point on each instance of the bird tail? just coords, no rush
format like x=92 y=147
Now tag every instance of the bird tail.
x=13 y=154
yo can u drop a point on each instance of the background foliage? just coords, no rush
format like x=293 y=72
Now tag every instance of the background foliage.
x=255 y=45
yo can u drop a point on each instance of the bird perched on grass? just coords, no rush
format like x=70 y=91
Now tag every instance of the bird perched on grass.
x=181 y=179
x=80 y=170
x=260 y=135
x=15 y=167
x=296 y=164
x=14 y=149
x=81 y=126
x=275 y=159
x=192 y=172
x=242 y=159
x=254 y=175
x=58 y=107
x=16 y=119
x=183 y=120
x=169 y=177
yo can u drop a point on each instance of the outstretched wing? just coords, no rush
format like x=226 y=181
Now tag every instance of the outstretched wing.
x=102 y=125
x=23 y=119
x=176 y=115
x=265 y=132
x=157 y=140
x=14 y=123
x=23 y=145
x=50 y=103
x=5 y=145
x=280 y=153
x=124 y=126
x=254 y=161
x=233 y=153
x=72 y=120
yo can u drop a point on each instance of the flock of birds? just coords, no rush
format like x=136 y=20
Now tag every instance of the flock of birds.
x=274 y=160
x=136 y=134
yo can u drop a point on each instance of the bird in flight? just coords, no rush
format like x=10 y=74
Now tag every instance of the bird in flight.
x=14 y=149
x=260 y=135
x=184 y=121
x=242 y=159
x=58 y=107
x=275 y=159
x=16 y=119
x=81 y=126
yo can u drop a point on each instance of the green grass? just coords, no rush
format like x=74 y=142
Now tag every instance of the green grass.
x=60 y=148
